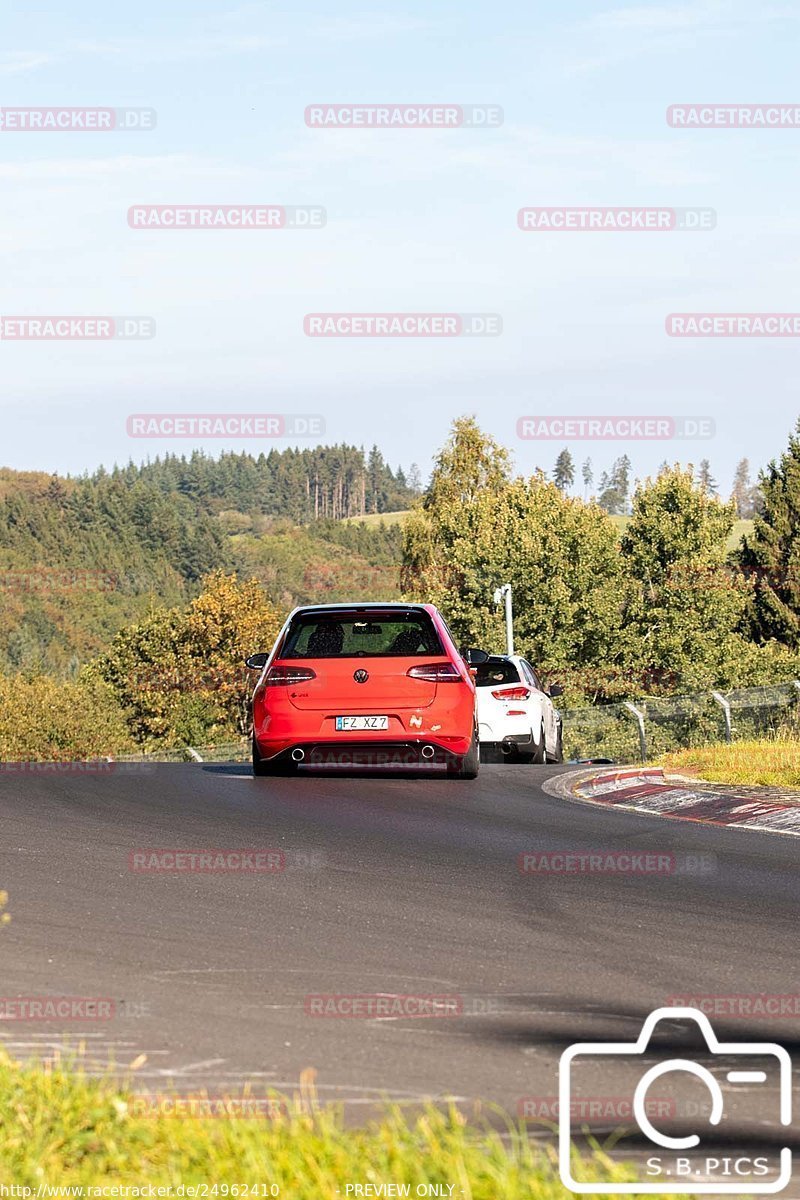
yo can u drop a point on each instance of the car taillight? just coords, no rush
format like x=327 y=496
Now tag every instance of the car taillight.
x=436 y=673
x=514 y=693
x=286 y=676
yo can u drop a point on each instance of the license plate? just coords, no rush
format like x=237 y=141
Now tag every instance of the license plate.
x=343 y=723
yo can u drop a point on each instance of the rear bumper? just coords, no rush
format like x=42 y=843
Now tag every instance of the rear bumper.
x=447 y=725
x=518 y=732
x=369 y=748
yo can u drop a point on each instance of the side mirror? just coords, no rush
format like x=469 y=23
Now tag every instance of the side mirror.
x=474 y=658
x=554 y=690
x=256 y=662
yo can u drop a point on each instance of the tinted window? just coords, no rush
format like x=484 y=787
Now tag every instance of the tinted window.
x=357 y=635
x=531 y=675
x=491 y=673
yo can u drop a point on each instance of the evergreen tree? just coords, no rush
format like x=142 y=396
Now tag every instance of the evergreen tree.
x=615 y=488
x=706 y=479
x=770 y=555
x=587 y=474
x=564 y=471
x=415 y=480
x=745 y=497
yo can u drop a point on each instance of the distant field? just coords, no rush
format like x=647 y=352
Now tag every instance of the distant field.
x=396 y=518
x=388 y=518
x=739 y=529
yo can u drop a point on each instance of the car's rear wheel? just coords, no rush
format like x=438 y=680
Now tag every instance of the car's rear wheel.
x=468 y=765
x=540 y=753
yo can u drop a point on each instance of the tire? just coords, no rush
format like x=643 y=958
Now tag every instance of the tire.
x=467 y=767
x=558 y=757
x=270 y=767
x=540 y=753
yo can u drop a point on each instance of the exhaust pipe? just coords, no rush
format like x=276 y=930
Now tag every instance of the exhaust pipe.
x=505 y=748
x=298 y=755
x=427 y=752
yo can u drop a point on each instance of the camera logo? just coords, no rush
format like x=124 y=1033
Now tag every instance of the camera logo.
x=751 y=1076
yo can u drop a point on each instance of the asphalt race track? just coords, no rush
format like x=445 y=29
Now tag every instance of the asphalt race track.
x=391 y=886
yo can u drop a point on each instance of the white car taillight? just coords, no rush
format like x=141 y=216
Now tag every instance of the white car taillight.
x=286 y=676
x=436 y=673
x=512 y=693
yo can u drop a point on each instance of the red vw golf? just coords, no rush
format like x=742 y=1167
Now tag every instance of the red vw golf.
x=371 y=684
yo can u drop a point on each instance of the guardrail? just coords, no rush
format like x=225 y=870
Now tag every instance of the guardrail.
x=627 y=731
x=649 y=726
x=220 y=752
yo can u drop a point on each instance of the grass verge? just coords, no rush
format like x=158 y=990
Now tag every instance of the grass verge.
x=60 y=1129
x=774 y=762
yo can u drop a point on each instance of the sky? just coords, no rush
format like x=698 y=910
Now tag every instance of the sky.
x=417 y=221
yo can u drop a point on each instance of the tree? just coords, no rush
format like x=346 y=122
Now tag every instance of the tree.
x=42 y=719
x=614 y=488
x=747 y=498
x=770 y=555
x=559 y=555
x=470 y=462
x=179 y=674
x=683 y=602
x=587 y=474
x=415 y=479
x=564 y=471
x=705 y=478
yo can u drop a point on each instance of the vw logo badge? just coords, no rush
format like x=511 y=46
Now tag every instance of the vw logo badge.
x=361 y=676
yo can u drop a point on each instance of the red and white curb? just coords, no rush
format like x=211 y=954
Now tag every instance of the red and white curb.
x=648 y=790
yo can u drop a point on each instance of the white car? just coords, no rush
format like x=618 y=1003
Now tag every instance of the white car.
x=515 y=712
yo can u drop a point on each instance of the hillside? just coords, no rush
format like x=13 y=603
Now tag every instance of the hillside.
x=81 y=558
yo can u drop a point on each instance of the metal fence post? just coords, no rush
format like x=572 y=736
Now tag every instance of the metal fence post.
x=725 y=705
x=640 y=722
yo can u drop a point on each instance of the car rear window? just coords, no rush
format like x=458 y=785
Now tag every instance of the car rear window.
x=491 y=673
x=361 y=635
